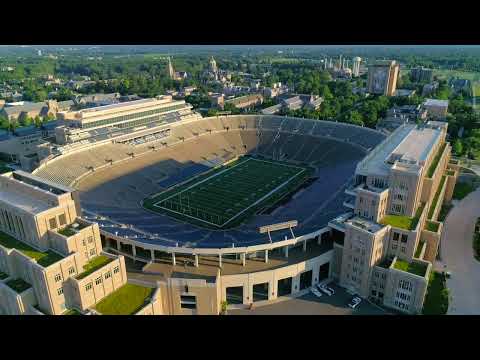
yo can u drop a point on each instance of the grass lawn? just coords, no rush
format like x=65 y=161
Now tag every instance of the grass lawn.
x=436 y=300
x=435 y=199
x=125 y=301
x=448 y=73
x=436 y=159
x=462 y=189
x=403 y=222
x=93 y=265
x=412 y=268
x=43 y=258
x=66 y=232
x=3 y=276
x=224 y=197
x=431 y=226
x=19 y=285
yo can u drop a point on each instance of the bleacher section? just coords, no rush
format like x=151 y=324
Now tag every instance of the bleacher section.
x=125 y=174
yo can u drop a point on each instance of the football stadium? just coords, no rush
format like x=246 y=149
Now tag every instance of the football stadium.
x=238 y=209
x=213 y=182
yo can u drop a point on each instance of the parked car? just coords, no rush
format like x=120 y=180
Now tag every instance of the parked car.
x=316 y=292
x=330 y=289
x=355 y=302
x=325 y=290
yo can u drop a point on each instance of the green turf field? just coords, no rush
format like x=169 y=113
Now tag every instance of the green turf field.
x=226 y=196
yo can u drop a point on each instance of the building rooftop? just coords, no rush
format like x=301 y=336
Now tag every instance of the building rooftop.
x=408 y=146
x=93 y=265
x=364 y=224
x=436 y=102
x=43 y=258
x=127 y=300
x=417 y=145
x=412 y=267
x=118 y=106
x=375 y=162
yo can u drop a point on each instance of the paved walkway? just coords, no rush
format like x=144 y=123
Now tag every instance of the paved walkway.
x=457 y=255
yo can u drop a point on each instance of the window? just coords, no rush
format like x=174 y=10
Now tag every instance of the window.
x=88 y=287
x=98 y=280
x=188 y=302
x=62 y=219
x=396 y=236
x=90 y=239
x=394 y=247
x=374 y=293
x=403 y=249
x=58 y=277
x=60 y=291
x=92 y=252
x=83 y=242
x=404 y=238
x=86 y=254
x=108 y=275
x=116 y=269
x=71 y=270
x=53 y=223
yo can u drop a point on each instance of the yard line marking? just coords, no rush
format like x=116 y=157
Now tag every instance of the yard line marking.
x=301 y=171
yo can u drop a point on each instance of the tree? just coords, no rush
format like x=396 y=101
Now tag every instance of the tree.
x=4 y=123
x=38 y=121
x=458 y=147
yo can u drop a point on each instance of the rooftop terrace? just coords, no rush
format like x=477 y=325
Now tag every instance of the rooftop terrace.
x=43 y=258
x=436 y=159
x=402 y=221
x=412 y=267
x=127 y=300
x=19 y=285
x=93 y=265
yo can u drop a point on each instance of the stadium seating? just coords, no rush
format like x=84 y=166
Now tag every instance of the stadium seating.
x=126 y=174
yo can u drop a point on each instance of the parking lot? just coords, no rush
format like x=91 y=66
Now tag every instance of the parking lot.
x=309 y=304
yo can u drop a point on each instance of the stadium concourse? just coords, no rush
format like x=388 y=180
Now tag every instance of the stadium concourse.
x=114 y=179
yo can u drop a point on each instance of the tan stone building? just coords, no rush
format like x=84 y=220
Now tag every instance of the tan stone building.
x=391 y=238
x=382 y=78
x=50 y=259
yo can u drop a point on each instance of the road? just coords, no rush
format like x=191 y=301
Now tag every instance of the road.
x=309 y=304
x=457 y=255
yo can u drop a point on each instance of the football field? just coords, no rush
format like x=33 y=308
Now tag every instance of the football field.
x=226 y=196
